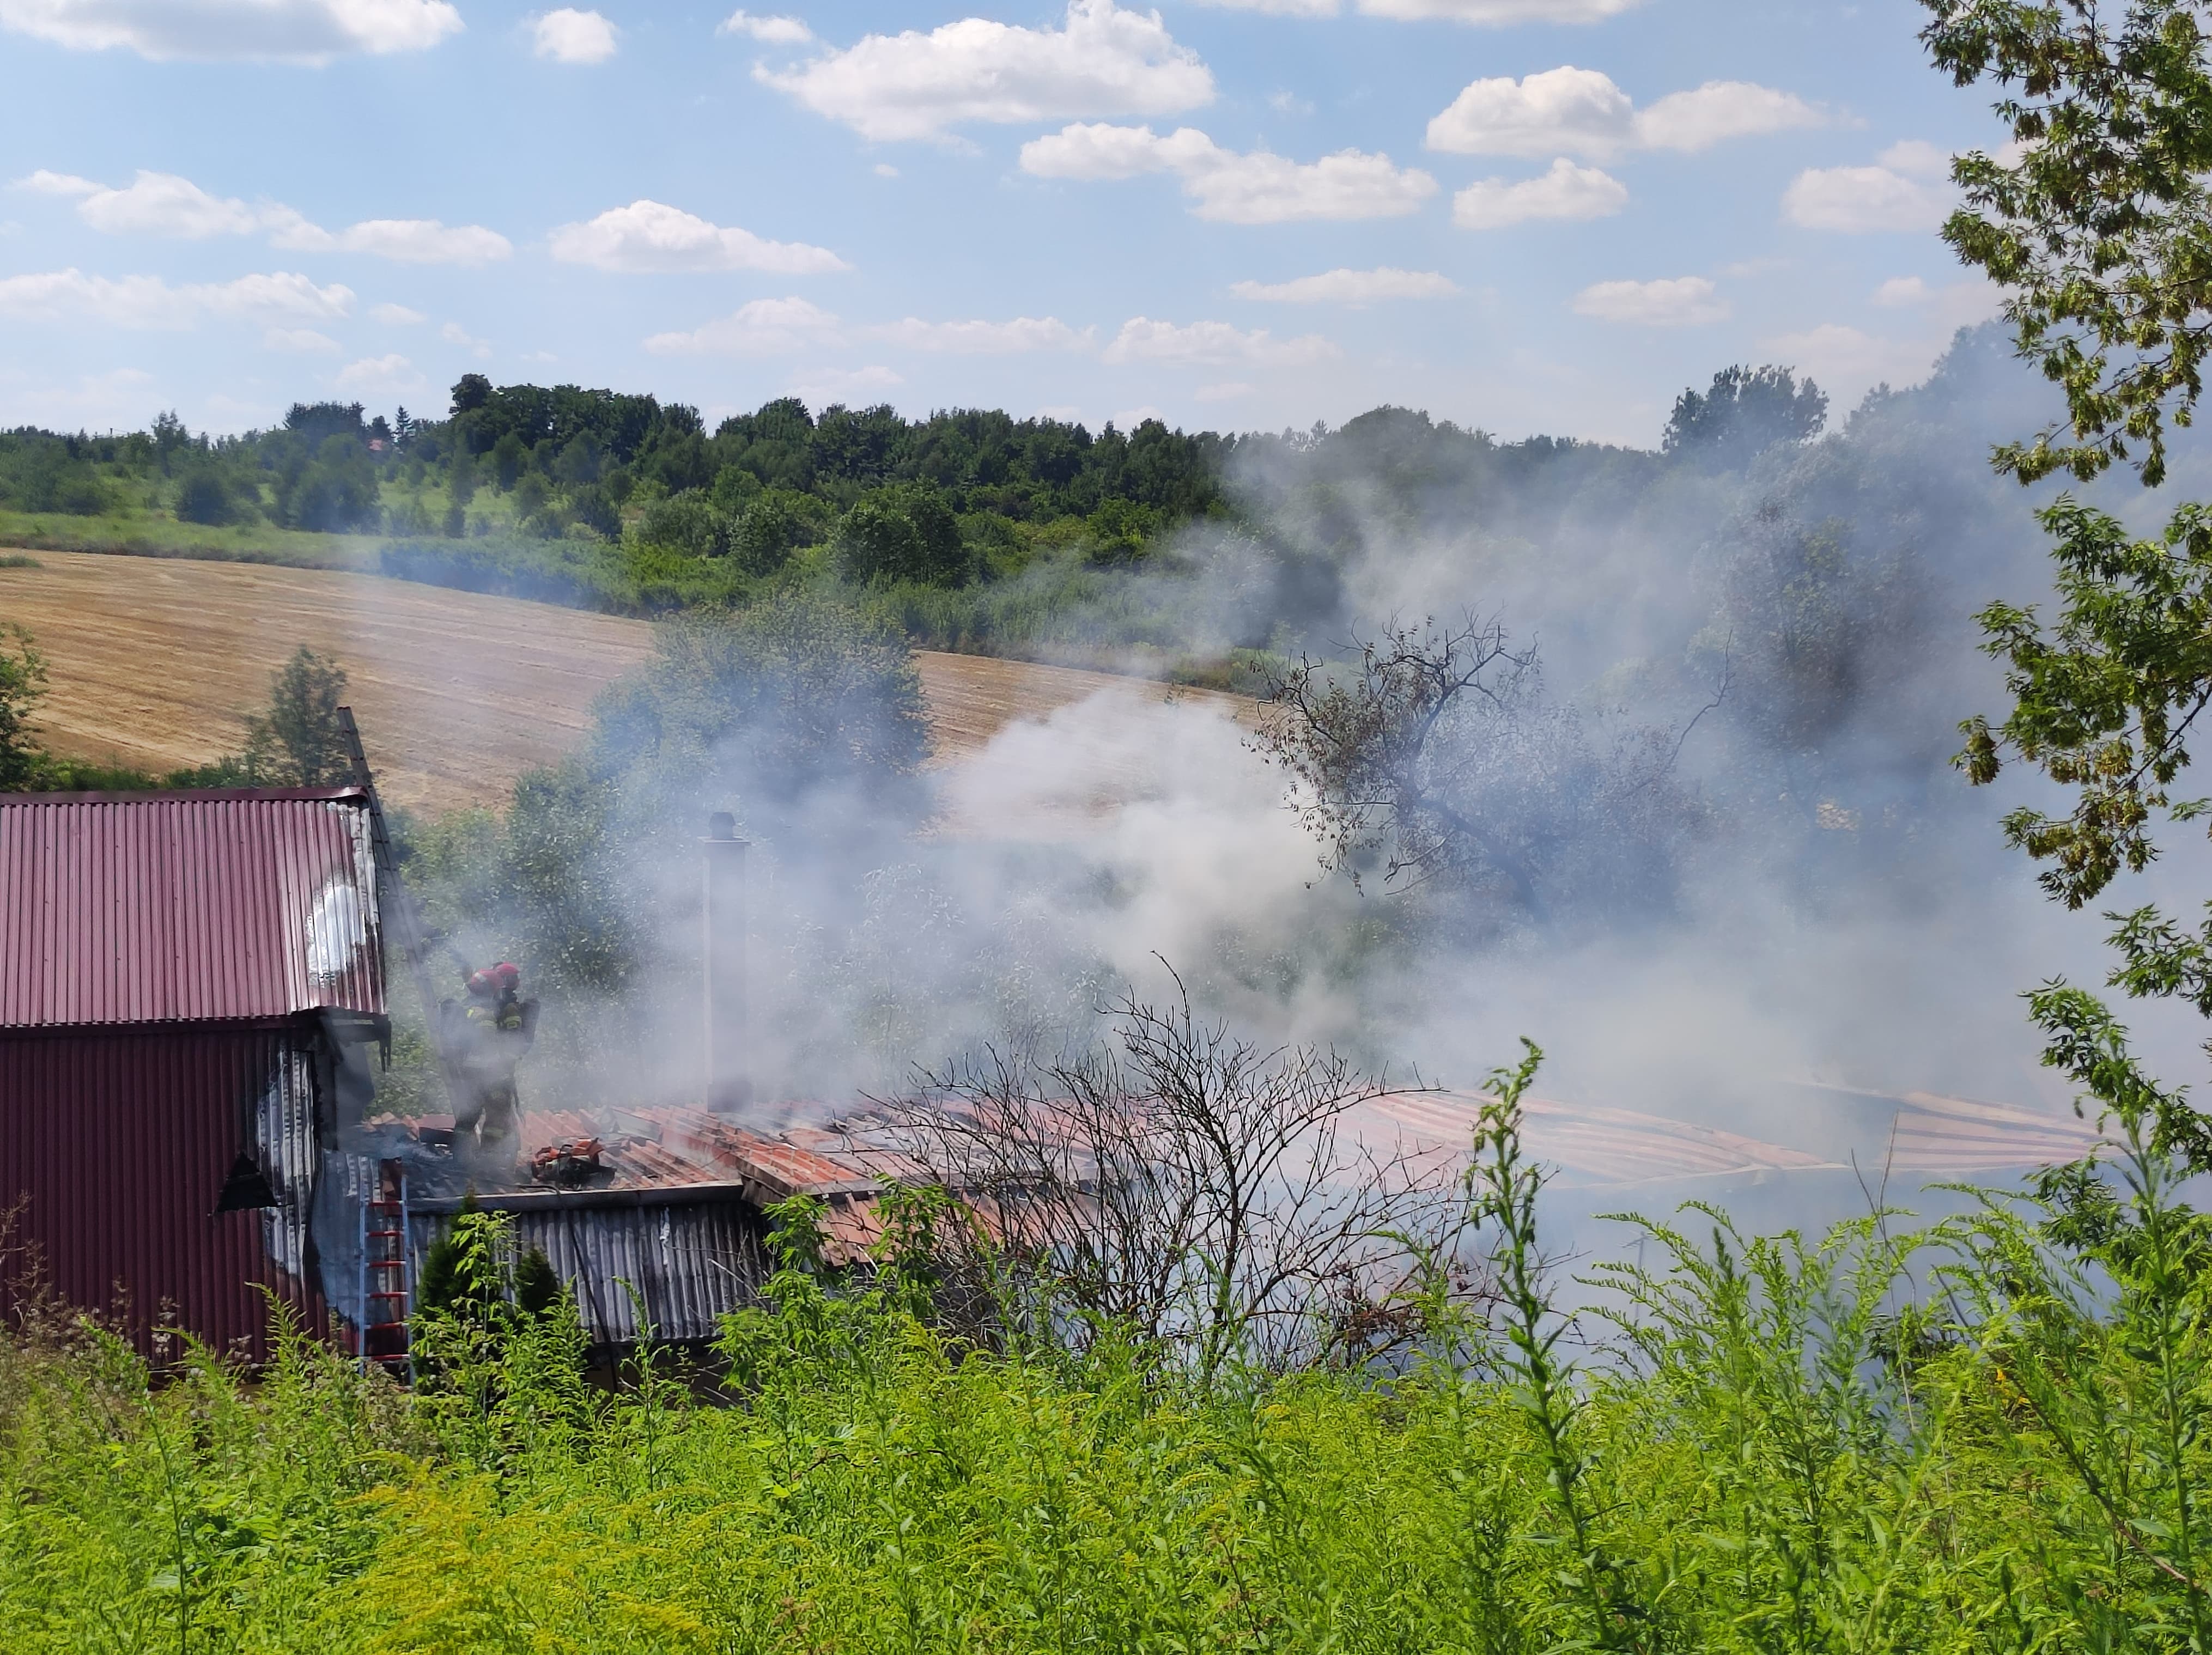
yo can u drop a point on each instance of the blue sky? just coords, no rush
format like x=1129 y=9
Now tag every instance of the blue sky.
x=1528 y=215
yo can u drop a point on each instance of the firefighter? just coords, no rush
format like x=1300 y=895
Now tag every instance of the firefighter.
x=485 y=1037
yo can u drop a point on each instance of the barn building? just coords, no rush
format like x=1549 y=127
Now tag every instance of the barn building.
x=191 y=990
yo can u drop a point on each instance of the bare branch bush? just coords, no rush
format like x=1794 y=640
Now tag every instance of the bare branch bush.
x=1207 y=1195
x=1433 y=750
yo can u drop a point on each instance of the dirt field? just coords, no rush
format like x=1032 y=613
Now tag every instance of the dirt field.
x=155 y=662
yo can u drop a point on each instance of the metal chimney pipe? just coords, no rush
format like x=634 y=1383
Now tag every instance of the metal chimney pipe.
x=728 y=1091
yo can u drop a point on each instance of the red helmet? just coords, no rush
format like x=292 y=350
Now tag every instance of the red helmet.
x=494 y=980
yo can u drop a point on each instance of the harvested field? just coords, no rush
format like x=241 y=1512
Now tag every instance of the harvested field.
x=155 y=663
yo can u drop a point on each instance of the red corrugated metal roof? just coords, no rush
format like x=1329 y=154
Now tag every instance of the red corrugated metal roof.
x=230 y=906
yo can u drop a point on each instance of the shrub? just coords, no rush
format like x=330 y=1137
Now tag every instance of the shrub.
x=687 y=523
x=589 y=505
x=766 y=534
x=903 y=532
x=204 y=498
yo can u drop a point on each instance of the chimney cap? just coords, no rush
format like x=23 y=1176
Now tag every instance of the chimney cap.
x=721 y=824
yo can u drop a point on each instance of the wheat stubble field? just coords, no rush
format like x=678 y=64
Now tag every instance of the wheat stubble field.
x=156 y=662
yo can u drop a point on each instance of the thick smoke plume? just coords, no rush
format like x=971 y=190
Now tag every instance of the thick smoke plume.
x=1722 y=756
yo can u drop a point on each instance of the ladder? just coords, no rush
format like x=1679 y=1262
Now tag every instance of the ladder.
x=386 y=1278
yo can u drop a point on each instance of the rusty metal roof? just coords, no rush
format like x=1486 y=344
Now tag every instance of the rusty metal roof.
x=239 y=906
x=662 y=1155
x=1592 y=1146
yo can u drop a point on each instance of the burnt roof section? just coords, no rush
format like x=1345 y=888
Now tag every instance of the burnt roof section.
x=237 y=906
x=656 y=1157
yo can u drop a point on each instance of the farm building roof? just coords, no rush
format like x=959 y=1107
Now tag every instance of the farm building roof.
x=663 y=1156
x=1592 y=1146
x=241 y=905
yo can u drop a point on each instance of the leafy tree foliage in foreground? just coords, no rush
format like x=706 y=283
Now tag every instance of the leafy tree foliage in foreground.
x=2099 y=226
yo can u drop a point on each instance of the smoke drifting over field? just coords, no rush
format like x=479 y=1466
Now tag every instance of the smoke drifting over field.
x=1814 y=892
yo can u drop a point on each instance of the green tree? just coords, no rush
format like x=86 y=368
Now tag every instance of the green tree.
x=2097 y=224
x=2098 y=228
x=766 y=534
x=766 y=704
x=903 y=532
x=734 y=489
x=470 y=392
x=509 y=456
x=686 y=523
x=1122 y=530
x=22 y=684
x=1746 y=412
x=591 y=506
x=204 y=497
x=298 y=741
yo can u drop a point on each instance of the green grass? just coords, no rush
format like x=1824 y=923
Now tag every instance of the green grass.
x=1958 y=1440
x=157 y=534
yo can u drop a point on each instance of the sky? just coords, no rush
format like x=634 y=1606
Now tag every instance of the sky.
x=1523 y=215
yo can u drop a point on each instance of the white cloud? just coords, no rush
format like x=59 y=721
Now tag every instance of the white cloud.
x=569 y=36
x=1902 y=290
x=152 y=203
x=1342 y=286
x=1580 y=111
x=1857 y=199
x=1259 y=188
x=1214 y=343
x=1846 y=359
x=283 y=31
x=765 y=327
x=147 y=301
x=770 y=31
x=164 y=204
x=884 y=169
x=840 y=384
x=1104 y=61
x=650 y=236
x=425 y=241
x=382 y=374
x=1495 y=12
x=454 y=333
x=1682 y=301
x=303 y=341
x=1953 y=305
x=1023 y=333
x=57 y=184
x=118 y=399
x=1287 y=102
x=1920 y=157
x=1228 y=391
x=396 y=316
x=1498 y=13
x=1565 y=191
x=1718 y=111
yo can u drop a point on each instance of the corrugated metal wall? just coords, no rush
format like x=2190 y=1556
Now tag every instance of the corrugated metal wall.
x=690 y=1263
x=185 y=908
x=114 y=1147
